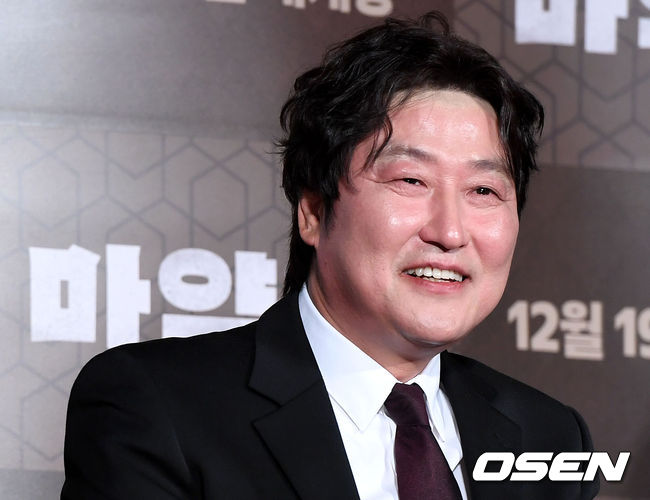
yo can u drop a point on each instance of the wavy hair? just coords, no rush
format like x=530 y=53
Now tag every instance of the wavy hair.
x=348 y=98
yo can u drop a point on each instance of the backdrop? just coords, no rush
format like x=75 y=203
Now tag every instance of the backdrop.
x=139 y=195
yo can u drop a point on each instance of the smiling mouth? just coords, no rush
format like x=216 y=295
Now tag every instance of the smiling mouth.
x=436 y=275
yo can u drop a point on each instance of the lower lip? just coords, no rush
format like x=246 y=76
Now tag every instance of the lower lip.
x=437 y=286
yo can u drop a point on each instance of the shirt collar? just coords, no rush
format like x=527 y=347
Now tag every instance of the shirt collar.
x=355 y=381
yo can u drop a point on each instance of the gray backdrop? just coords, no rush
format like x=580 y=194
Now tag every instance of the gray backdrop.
x=149 y=124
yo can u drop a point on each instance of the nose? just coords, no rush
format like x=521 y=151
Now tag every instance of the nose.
x=445 y=226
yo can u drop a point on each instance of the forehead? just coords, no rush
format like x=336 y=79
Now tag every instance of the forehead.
x=437 y=125
x=441 y=109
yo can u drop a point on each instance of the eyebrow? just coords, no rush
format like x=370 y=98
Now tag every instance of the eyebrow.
x=404 y=151
x=499 y=165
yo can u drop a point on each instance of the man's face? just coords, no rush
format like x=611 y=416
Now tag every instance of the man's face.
x=420 y=244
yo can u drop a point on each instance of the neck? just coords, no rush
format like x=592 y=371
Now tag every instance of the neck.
x=400 y=357
x=401 y=366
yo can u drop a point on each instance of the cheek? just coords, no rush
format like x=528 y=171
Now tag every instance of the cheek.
x=498 y=240
x=404 y=216
x=382 y=220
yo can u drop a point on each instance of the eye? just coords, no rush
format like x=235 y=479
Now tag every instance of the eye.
x=411 y=180
x=484 y=191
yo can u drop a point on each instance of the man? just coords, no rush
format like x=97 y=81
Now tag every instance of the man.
x=406 y=160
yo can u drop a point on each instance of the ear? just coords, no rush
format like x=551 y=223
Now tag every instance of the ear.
x=310 y=215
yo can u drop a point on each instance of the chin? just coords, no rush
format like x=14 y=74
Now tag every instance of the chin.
x=441 y=339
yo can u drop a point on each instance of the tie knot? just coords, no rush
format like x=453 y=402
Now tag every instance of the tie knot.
x=405 y=405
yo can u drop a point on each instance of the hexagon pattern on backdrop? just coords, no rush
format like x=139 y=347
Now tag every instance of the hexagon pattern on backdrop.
x=596 y=106
x=63 y=186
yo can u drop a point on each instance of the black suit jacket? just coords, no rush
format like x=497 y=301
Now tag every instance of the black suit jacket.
x=244 y=414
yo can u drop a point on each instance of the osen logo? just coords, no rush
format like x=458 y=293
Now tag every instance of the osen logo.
x=533 y=466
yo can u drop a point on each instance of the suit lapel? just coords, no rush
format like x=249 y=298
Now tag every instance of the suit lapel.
x=301 y=433
x=481 y=424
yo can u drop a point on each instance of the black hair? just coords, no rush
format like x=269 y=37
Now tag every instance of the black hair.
x=348 y=98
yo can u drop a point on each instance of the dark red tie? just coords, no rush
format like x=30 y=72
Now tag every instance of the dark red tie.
x=422 y=471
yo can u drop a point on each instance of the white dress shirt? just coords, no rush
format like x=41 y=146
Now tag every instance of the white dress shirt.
x=358 y=386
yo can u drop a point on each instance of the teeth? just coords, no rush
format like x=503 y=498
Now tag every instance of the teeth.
x=435 y=274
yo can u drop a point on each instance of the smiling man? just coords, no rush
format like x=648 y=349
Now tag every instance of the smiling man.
x=420 y=245
x=406 y=161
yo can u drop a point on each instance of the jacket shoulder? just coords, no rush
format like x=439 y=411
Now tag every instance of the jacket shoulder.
x=494 y=384
x=537 y=413
x=537 y=421
x=225 y=352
